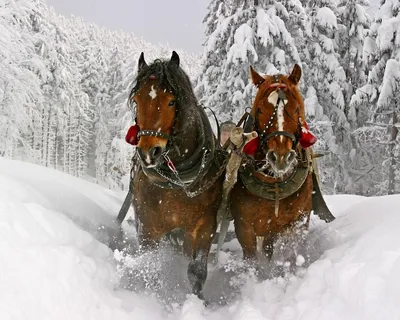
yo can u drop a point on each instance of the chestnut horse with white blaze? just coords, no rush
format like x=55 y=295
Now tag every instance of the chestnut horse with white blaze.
x=274 y=191
x=179 y=180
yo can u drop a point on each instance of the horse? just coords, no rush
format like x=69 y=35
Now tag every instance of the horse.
x=179 y=180
x=274 y=192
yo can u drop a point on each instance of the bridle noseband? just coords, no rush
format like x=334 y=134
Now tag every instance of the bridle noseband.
x=154 y=133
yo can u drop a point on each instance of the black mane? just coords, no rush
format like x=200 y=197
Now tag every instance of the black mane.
x=169 y=77
x=192 y=128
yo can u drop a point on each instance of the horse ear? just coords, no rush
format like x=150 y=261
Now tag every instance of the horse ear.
x=174 y=59
x=255 y=77
x=296 y=74
x=141 y=63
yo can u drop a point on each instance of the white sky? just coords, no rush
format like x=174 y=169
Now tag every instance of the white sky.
x=174 y=22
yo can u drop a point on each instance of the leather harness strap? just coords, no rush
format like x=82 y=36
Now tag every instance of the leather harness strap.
x=277 y=190
x=153 y=133
x=189 y=173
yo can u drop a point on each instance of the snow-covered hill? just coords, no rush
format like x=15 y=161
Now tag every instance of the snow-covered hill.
x=55 y=264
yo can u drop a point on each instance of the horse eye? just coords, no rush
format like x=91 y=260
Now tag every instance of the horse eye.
x=171 y=103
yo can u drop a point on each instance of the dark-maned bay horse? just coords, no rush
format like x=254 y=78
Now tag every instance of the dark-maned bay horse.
x=274 y=191
x=178 y=183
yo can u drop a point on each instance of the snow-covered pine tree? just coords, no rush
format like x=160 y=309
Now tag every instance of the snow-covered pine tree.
x=117 y=163
x=217 y=23
x=387 y=110
x=101 y=133
x=246 y=33
x=353 y=25
x=380 y=94
x=55 y=78
x=19 y=83
x=95 y=87
x=321 y=126
x=324 y=73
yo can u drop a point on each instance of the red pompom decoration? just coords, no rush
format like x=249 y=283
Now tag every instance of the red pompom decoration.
x=251 y=147
x=131 y=136
x=307 y=139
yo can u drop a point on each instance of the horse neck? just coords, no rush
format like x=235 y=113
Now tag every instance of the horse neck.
x=192 y=134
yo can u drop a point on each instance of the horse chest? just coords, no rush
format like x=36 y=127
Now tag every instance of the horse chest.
x=260 y=213
x=171 y=209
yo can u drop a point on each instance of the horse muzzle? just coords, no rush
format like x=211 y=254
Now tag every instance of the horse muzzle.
x=151 y=157
x=281 y=163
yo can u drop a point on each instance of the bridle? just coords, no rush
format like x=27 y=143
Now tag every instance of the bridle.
x=275 y=189
x=264 y=137
x=154 y=133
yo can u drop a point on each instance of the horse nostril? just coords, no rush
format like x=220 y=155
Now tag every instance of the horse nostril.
x=155 y=152
x=272 y=156
x=290 y=156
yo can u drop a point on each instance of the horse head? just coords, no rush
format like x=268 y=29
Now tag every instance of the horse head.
x=278 y=112
x=156 y=100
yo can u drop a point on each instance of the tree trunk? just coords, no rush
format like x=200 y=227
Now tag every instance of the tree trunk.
x=392 y=158
x=49 y=139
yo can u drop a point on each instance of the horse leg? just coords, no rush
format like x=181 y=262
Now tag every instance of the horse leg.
x=295 y=253
x=197 y=247
x=247 y=239
x=148 y=240
x=302 y=241
x=268 y=245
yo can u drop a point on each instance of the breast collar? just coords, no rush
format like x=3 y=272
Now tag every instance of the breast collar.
x=189 y=171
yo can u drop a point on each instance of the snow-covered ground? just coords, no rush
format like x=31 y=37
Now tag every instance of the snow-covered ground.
x=55 y=262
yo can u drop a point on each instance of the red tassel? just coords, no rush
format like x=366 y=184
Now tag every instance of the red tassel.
x=251 y=147
x=131 y=135
x=307 y=139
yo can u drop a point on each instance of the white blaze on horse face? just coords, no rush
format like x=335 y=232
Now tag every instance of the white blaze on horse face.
x=153 y=93
x=273 y=99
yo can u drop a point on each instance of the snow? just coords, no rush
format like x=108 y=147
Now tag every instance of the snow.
x=55 y=263
x=373 y=7
x=243 y=44
x=326 y=18
x=387 y=32
x=265 y=27
x=390 y=85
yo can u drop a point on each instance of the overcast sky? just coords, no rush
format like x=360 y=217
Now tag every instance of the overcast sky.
x=176 y=22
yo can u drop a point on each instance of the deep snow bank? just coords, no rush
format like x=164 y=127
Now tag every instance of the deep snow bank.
x=55 y=264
